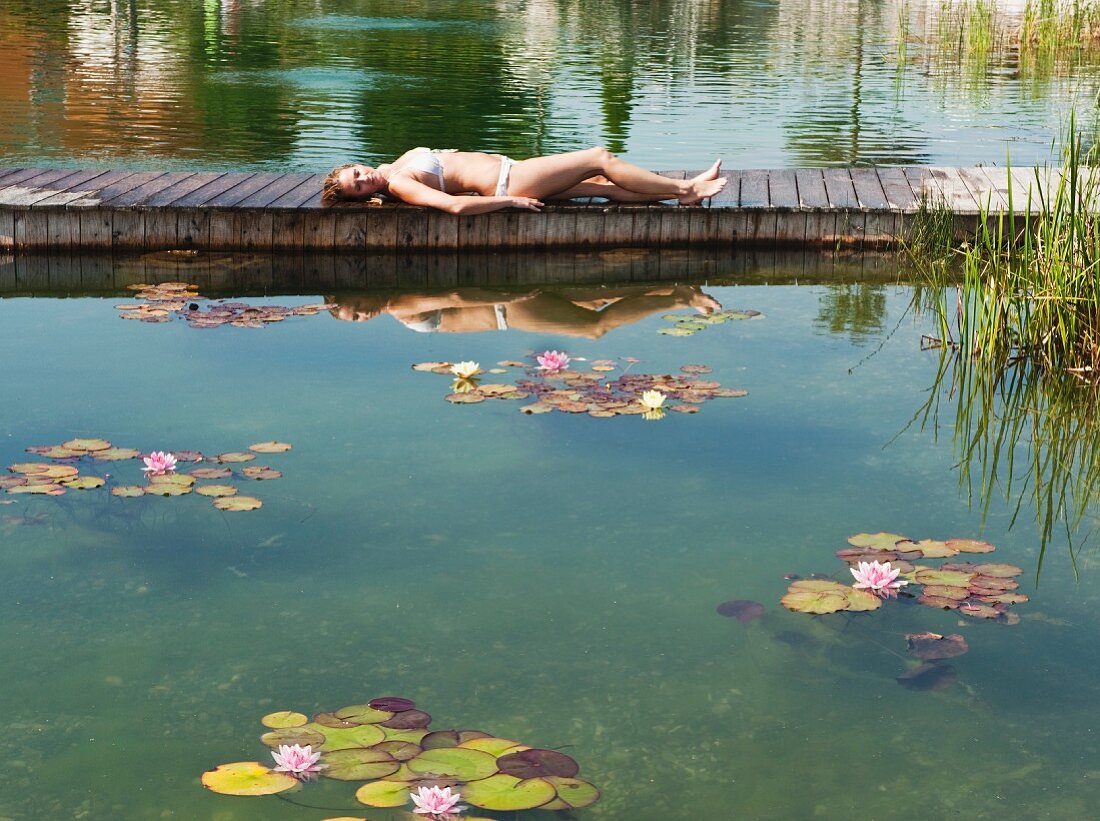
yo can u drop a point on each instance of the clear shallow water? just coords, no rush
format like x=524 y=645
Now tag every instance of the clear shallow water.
x=549 y=578
x=304 y=84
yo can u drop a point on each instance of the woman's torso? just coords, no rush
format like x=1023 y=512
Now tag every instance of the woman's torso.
x=463 y=171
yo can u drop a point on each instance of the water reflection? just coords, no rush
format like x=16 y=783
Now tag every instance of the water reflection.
x=672 y=83
x=583 y=312
x=1021 y=434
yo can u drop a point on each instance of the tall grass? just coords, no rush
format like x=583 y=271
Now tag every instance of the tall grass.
x=1028 y=287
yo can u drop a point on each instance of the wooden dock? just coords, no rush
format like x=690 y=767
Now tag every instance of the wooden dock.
x=64 y=210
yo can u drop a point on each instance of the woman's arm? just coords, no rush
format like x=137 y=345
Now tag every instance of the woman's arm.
x=416 y=193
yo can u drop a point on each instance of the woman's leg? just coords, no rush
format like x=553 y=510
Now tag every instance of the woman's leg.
x=607 y=190
x=547 y=177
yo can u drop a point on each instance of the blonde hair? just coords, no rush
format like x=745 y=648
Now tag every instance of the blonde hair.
x=331 y=193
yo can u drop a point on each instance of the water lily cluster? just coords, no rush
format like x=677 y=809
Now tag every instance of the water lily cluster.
x=387 y=746
x=89 y=464
x=885 y=564
x=691 y=324
x=181 y=300
x=555 y=383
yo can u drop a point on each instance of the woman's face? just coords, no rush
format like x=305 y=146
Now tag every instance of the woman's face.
x=360 y=181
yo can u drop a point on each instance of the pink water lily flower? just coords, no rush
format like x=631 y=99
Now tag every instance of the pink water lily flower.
x=552 y=361
x=300 y=762
x=158 y=463
x=436 y=802
x=877 y=578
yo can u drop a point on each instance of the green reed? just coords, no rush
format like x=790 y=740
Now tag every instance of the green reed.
x=1020 y=432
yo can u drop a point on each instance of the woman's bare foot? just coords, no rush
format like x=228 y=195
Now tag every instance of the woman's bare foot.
x=704 y=185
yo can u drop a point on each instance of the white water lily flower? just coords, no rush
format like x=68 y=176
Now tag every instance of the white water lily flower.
x=652 y=400
x=465 y=370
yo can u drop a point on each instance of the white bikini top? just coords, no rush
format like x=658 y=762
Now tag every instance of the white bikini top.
x=426 y=160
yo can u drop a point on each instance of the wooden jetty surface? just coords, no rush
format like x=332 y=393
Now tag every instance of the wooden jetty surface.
x=96 y=210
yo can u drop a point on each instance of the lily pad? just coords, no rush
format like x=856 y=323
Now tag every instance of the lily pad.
x=43 y=469
x=128 y=491
x=261 y=473
x=876 y=541
x=928 y=676
x=492 y=745
x=946 y=592
x=83 y=482
x=860 y=601
x=411 y=736
x=970 y=546
x=37 y=490
x=212 y=473
x=181 y=479
x=679 y=330
x=117 y=454
x=455 y=762
x=349 y=738
x=1001 y=571
x=55 y=452
x=390 y=704
x=537 y=763
x=814 y=601
x=237 y=504
x=938 y=601
x=358 y=764
x=362 y=714
x=87 y=445
x=471 y=398
x=505 y=792
x=246 y=778
x=943 y=578
x=216 y=490
x=434 y=367
x=234 y=457
x=572 y=794
x=302 y=735
x=284 y=719
x=408 y=720
x=166 y=489
x=1005 y=598
x=383 y=794
x=930 y=549
x=450 y=738
x=741 y=609
x=400 y=750
x=988 y=585
x=978 y=610
x=188 y=456
x=933 y=646
x=270 y=447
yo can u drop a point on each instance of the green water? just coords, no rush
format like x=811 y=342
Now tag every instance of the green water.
x=305 y=84
x=550 y=578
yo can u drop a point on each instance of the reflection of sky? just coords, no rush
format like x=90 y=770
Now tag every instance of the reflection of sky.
x=764 y=83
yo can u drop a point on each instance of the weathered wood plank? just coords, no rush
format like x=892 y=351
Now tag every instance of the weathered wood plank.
x=233 y=195
x=253 y=229
x=161 y=229
x=36 y=188
x=10 y=171
x=411 y=230
x=811 y=188
x=168 y=195
x=987 y=195
x=840 y=189
x=201 y=197
x=898 y=191
x=783 y=189
x=868 y=189
x=71 y=188
x=95 y=228
x=122 y=185
x=127 y=229
x=754 y=189
x=309 y=187
x=276 y=188
x=31 y=229
x=192 y=227
x=956 y=194
x=138 y=195
x=7 y=229
x=729 y=196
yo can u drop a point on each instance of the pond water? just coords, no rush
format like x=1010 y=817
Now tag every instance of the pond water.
x=549 y=578
x=305 y=84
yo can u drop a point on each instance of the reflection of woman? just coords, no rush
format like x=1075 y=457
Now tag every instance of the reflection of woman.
x=446 y=179
x=587 y=312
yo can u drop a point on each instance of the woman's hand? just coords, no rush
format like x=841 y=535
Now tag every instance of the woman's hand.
x=527 y=203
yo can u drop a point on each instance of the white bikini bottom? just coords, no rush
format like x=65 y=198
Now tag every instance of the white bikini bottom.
x=506 y=164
